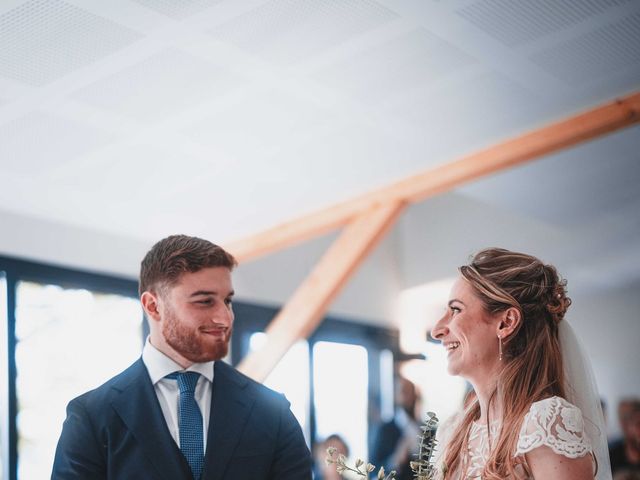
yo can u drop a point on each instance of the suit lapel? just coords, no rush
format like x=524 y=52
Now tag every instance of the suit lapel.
x=231 y=405
x=137 y=405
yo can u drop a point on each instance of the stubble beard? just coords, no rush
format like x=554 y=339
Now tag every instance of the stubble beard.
x=190 y=343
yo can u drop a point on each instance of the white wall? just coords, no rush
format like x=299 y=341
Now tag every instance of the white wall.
x=369 y=296
x=63 y=245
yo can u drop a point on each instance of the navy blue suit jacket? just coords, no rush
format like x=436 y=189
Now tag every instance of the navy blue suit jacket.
x=118 y=431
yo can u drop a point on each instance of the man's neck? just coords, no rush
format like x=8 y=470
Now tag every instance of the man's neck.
x=166 y=349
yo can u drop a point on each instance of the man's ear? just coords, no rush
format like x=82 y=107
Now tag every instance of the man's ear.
x=509 y=322
x=149 y=303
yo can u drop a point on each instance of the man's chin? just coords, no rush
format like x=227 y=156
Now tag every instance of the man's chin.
x=212 y=353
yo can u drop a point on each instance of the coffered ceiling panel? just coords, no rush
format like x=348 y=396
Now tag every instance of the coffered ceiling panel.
x=285 y=31
x=43 y=40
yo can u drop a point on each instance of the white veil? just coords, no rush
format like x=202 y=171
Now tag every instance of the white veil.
x=582 y=391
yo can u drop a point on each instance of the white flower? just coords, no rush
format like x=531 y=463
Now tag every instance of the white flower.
x=572 y=419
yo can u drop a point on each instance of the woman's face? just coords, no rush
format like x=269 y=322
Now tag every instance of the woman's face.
x=469 y=334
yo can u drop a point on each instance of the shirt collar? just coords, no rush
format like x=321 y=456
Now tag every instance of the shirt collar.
x=159 y=365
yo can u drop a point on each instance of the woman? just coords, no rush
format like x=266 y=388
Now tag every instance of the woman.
x=504 y=332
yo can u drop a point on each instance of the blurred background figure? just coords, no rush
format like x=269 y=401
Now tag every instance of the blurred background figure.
x=321 y=470
x=395 y=441
x=625 y=453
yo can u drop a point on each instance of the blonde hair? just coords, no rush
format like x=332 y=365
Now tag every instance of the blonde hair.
x=532 y=359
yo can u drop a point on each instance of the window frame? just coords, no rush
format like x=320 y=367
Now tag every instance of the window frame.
x=18 y=270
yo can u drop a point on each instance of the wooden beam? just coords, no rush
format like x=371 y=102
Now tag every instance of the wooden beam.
x=304 y=311
x=598 y=121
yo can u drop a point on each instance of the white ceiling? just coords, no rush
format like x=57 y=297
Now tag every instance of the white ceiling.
x=137 y=119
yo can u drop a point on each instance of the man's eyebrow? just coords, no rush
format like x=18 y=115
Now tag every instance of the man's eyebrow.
x=209 y=292
x=455 y=300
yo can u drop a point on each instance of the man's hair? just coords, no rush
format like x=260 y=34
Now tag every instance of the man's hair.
x=168 y=259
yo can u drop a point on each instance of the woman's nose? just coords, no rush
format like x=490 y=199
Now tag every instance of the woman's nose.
x=440 y=329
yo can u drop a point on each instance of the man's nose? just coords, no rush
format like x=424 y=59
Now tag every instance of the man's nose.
x=223 y=315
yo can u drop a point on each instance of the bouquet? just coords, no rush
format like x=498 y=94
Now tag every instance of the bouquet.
x=422 y=466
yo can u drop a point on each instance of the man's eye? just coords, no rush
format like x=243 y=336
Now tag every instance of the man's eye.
x=228 y=301
x=205 y=302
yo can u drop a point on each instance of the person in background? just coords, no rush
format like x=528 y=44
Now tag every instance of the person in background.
x=323 y=471
x=625 y=453
x=180 y=412
x=504 y=332
x=395 y=441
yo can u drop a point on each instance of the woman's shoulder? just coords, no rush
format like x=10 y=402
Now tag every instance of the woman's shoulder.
x=551 y=404
x=556 y=423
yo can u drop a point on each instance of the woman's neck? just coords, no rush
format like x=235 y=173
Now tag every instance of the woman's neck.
x=484 y=384
x=484 y=393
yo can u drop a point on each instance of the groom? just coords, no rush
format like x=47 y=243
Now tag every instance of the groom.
x=180 y=412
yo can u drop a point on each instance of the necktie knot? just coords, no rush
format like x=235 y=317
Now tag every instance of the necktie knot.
x=187 y=381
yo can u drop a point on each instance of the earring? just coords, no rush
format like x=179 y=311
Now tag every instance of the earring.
x=500 y=347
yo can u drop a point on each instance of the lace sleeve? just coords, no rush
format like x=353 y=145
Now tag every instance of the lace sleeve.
x=557 y=424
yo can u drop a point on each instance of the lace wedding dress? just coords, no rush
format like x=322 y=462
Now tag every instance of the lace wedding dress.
x=552 y=422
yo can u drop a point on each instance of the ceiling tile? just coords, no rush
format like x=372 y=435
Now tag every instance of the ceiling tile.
x=572 y=187
x=411 y=61
x=285 y=31
x=43 y=40
x=451 y=121
x=599 y=53
x=38 y=143
x=165 y=83
x=515 y=22
x=178 y=9
x=258 y=125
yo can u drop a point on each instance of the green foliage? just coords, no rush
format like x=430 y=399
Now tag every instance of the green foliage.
x=422 y=467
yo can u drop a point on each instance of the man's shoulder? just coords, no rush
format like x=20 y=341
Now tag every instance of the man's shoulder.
x=230 y=373
x=102 y=393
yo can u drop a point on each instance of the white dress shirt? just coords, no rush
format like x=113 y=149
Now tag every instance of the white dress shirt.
x=159 y=366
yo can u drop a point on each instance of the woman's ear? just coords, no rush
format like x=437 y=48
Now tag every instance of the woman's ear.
x=509 y=322
x=149 y=303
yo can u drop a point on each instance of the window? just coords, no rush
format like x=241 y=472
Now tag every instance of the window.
x=63 y=332
x=291 y=377
x=341 y=382
x=4 y=379
x=348 y=365
x=68 y=341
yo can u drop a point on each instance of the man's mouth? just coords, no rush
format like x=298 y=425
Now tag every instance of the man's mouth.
x=218 y=332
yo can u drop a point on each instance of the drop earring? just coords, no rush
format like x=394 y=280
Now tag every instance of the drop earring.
x=500 y=347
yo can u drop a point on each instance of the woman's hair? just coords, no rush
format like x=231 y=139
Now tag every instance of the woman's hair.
x=532 y=362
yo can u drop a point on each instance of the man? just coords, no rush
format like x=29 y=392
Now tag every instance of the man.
x=179 y=412
x=625 y=453
x=397 y=440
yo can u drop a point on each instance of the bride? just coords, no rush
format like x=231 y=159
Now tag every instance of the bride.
x=536 y=413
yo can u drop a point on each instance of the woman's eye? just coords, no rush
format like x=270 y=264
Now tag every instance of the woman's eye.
x=454 y=309
x=228 y=301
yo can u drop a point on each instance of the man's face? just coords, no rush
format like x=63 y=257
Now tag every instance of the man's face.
x=196 y=316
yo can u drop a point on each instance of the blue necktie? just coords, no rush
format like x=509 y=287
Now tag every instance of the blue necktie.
x=190 y=422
